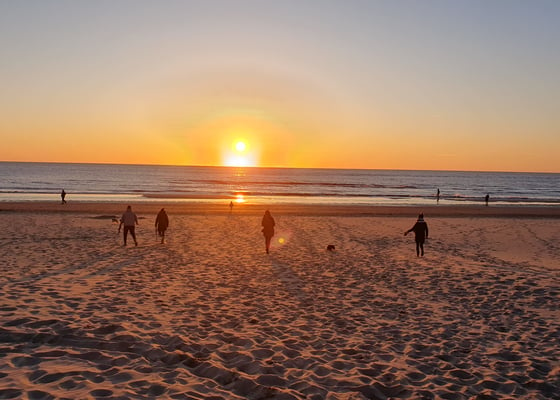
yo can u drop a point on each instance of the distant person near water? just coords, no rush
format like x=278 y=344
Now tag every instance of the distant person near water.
x=129 y=220
x=420 y=230
x=230 y=206
x=437 y=195
x=162 y=222
x=487 y=199
x=63 y=196
x=268 y=229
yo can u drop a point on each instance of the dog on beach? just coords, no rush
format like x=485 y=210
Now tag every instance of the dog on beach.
x=330 y=247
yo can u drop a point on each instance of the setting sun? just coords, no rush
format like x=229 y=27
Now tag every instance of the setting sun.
x=240 y=154
x=240 y=146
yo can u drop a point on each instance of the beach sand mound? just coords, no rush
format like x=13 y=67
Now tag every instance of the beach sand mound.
x=210 y=315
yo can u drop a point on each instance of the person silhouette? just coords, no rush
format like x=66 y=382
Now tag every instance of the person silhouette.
x=129 y=220
x=487 y=199
x=63 y=196
x=437 y=196
x=162 y=222
x=420 y=230
x=268 y=229
x=230 y=206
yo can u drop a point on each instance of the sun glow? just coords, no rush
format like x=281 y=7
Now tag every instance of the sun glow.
x=240 y=154
x=240 y=146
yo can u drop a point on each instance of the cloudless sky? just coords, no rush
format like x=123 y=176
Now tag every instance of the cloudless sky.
x=456 y=85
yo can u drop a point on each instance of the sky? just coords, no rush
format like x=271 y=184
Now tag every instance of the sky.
x=396 y=84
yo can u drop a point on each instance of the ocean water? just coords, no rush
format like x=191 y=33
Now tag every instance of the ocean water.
x=119 y=183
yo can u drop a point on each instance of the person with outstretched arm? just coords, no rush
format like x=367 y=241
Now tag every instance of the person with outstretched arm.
x=420 y=230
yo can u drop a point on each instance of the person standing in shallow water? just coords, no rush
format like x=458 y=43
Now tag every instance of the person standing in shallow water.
x=420 y=230
x=487 y=199
x=129 y=220
x=268 y=229
x=63 y=196
x=162 y=222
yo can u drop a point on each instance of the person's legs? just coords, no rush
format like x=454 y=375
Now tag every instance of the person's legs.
x=125 y=234
x=267 y=243
x=417 y=249
x=133 y=234
x=422 y=248
x=162 y=234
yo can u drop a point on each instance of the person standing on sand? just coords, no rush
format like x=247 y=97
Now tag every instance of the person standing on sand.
x=63 y=196
x=268 y=229
x=487 y=199
x=437 y=196
x=230 y=206
x=162 y=222
x=420 y=230
x=129 y=220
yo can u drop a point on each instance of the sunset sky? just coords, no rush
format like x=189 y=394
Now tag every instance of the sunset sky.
x=445 y=85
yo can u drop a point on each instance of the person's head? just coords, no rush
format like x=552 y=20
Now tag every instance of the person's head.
x=128 y=208
x=421 y=217
x=267 y=213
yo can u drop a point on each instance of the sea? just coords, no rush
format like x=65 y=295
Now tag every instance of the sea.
x=158 y=183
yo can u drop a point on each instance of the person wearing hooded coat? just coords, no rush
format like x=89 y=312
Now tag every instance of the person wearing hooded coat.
x=268 y=229
x=162 y=222
x=420 y=230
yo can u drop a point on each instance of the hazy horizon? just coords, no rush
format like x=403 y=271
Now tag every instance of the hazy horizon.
x=281 y=167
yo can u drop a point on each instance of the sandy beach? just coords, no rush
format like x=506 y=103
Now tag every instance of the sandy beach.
x=209 y=315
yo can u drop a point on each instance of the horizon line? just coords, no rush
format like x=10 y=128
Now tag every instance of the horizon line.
x=278 y=167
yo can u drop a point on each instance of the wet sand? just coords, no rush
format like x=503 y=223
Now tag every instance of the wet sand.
x=286 y=209
x=210 y=315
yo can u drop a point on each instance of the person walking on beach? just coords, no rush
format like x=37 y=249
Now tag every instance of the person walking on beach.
x=129 y=220
x=420 y=230
x=268 y=229
x=162 y=222
x=487 y=199
x=63 y=196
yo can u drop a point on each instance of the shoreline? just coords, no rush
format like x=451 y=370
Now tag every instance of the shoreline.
x=431 y=211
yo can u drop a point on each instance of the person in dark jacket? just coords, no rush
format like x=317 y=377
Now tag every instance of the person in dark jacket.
x=268 y=229
x=162 y=222
x=420 y=230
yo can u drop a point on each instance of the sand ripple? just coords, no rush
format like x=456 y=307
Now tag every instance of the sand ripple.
x=208 y=315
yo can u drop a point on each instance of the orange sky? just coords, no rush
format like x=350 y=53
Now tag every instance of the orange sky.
x=431 y=86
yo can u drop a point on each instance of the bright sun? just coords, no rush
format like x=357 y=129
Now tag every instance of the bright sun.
x=240 y=154
x=240 y=146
